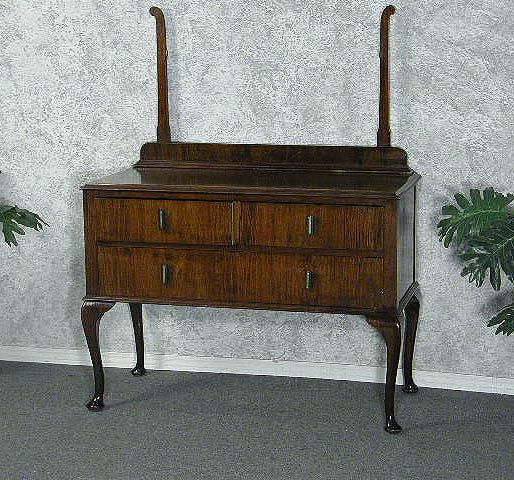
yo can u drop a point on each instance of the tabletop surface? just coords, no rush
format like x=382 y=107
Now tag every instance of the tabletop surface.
x=239 y=180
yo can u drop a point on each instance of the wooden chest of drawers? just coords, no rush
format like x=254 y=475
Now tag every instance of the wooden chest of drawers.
x=235 y=252
x=331 y=243
x=282 y=255
x=281 y=227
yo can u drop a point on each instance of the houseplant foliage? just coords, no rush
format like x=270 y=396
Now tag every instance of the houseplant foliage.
x=481 y=227
x=13 y=219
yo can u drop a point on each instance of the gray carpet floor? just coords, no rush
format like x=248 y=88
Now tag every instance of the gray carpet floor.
x=170 y=425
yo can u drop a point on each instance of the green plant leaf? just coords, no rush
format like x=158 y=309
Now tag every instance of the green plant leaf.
x=5 y=208
x=504 y=319
x=462 y=201
x=491 y=250
x=474 y=216
x=13 y=218
x=29 y=219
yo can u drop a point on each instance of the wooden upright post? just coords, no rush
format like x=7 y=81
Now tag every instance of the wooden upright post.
x=384 y=129
x=163 y=122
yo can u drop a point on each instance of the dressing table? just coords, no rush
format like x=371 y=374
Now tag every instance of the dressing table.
x=279 y=227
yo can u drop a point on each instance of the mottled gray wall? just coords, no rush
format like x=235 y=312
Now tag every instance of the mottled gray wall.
x=78 y=98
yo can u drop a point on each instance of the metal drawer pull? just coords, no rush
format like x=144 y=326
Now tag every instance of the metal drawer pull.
x=165 y=274
x=162 y=219
x=311 y=224
x=309 y=280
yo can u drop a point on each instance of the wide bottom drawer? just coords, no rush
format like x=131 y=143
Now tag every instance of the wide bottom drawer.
x=219 y=276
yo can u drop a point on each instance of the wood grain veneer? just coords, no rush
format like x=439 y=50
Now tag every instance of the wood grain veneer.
x=164 y=221
x=331 y=227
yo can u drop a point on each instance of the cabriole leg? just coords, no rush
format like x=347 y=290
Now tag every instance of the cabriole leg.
x=411 y=326
x=391 y=331
x=91 y=314
x=136 y=312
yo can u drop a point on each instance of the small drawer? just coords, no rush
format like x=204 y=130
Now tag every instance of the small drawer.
x=164 y=221
x=313 y=226
x=166 y=274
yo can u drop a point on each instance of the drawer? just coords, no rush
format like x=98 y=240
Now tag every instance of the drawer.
x=164 y=221
x=167 y=274
x=308 y=280
x=239 y=277
x=313 y=226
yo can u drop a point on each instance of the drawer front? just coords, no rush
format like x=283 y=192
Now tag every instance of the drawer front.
x=313 y=226
x=166 y=274
x=164 y=221
x=239 y=277
x=304 y=280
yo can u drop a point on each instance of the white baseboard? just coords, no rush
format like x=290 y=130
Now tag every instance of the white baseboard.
x=332 y=371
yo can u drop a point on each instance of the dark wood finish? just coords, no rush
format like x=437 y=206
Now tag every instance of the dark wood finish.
x=240 y=277
x=313 y=226
x=353 y=282
x=282 y=280
x=163 y=123
x=270 y=278
x=389 y=328
x=411 y=312
x=263 y=157
x=164 y=221
x=357 y=187
x=191 y=274
x=384 y=128
x=92 y=312
x=307 y=228
x=406 y=274
x=136 y=313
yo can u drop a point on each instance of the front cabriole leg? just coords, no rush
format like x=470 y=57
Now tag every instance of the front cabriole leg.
x=411 y=326
x=389 y=327
x=136 y=312
x=91 y=313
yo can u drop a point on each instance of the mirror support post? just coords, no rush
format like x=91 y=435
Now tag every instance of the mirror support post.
x=163 y=122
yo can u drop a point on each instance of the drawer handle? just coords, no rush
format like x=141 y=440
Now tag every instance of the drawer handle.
x=162 y=219
x=311 y=225
x=165 y=274
x=309 y=280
